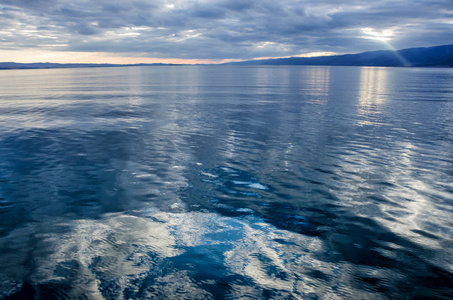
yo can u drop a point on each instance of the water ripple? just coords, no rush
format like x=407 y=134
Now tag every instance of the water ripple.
x=197 y=182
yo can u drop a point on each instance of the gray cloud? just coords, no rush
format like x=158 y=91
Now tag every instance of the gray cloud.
x=220 y=29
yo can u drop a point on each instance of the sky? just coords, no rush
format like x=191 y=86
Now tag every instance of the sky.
x=214 y=31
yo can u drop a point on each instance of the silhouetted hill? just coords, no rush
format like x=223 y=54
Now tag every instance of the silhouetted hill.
x=438 y=56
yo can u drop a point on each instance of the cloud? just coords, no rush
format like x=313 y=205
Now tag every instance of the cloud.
x=220 y=29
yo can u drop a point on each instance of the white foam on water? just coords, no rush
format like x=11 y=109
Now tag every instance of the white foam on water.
x=209 y=175
x=241 y=182
x=246 y=210
x=258 y=186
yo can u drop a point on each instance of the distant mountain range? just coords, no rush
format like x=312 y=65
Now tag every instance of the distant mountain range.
x=13 y=65
x=439 y=56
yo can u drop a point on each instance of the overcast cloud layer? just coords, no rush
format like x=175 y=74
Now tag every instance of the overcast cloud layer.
x=223 y=29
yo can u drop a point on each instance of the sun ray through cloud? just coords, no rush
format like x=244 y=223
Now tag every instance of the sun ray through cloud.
x=384 y=37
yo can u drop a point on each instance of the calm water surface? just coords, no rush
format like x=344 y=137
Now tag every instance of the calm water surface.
x=226 y=182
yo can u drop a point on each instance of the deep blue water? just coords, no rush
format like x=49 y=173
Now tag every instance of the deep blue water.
x=226 y=182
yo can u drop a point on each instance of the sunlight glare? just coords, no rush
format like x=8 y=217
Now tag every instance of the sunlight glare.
x=383 y=36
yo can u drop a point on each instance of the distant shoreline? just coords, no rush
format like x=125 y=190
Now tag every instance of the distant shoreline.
x=35 y=66
x=183 y=65
x=432 y=57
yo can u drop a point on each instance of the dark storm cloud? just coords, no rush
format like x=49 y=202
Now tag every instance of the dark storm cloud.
x=220 y=29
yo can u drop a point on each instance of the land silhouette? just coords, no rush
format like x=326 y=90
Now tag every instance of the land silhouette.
x=437 y=56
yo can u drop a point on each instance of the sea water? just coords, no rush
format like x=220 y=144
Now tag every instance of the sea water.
x=226 y=182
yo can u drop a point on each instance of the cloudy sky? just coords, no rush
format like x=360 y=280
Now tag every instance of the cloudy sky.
x=135 y=31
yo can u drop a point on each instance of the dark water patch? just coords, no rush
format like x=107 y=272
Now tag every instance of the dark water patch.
x=119 y=114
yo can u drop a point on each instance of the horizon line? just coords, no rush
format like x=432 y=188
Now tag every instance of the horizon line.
x=221 y=62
